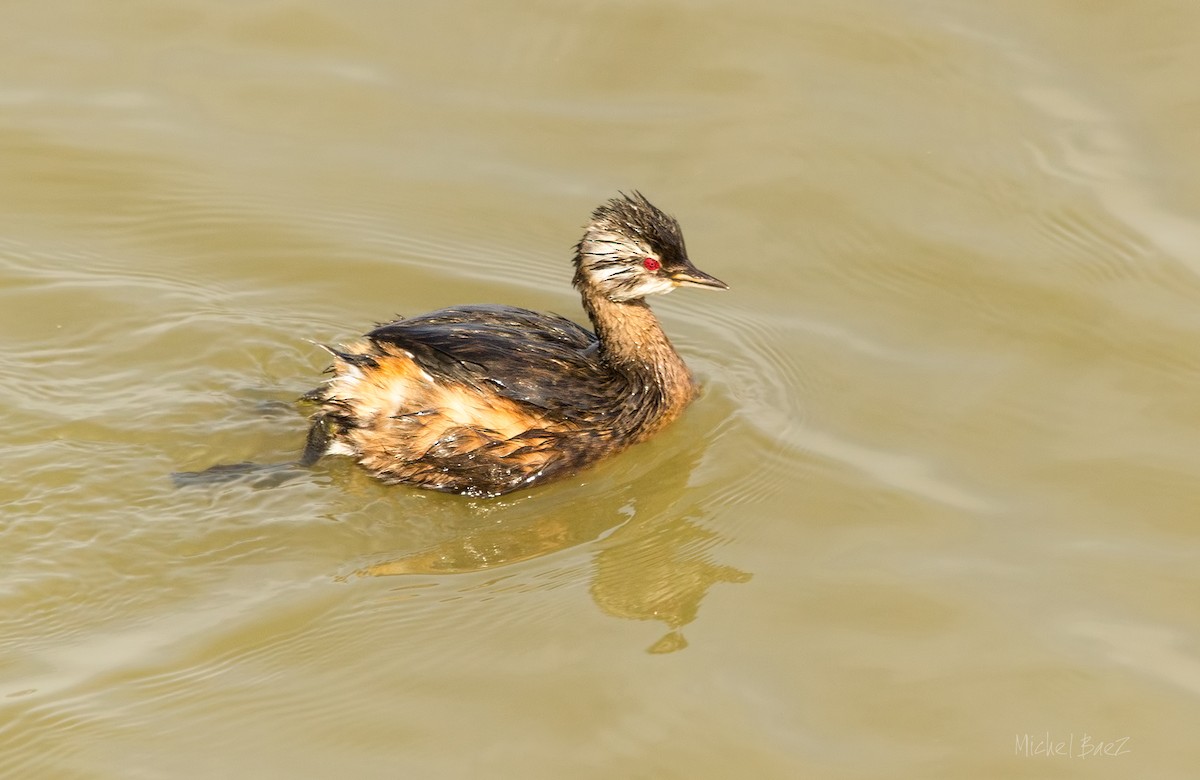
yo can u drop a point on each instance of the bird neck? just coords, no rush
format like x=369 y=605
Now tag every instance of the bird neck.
x=633 y=343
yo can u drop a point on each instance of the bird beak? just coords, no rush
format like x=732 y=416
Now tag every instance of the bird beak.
x=694 y=277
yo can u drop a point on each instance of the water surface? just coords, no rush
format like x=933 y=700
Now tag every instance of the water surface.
x=935 y=507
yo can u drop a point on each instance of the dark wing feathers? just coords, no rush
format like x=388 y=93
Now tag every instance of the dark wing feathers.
x=540 y=359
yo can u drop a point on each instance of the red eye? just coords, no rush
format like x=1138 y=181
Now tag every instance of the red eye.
x=651 y=264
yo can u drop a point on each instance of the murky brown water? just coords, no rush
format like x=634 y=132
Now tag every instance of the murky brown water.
x=937 y=504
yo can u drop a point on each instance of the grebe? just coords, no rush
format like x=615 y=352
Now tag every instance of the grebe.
x=485 y=399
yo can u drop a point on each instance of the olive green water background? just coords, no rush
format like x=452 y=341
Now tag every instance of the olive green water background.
x=936 y=505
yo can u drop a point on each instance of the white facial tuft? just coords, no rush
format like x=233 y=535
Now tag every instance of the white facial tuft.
x=649 y=284
x=613 y=264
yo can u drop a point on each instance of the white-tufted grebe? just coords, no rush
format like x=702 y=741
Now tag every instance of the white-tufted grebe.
x=485 y=399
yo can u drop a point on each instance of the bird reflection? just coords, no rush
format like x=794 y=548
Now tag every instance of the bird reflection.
x=659 y=571
x=653 y=559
